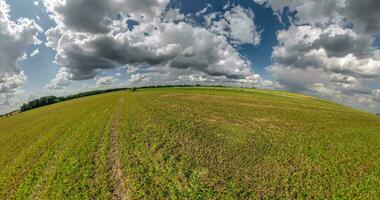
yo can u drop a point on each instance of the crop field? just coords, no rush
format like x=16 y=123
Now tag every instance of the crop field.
x=191 y=143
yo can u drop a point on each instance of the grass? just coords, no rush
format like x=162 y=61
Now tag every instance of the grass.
x=191 y=143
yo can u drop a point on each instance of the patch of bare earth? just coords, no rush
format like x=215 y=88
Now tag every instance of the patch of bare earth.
x=117 y=183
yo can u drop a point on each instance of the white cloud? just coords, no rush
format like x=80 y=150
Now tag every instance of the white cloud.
x=376 y=93
x=368 y=101
x=204 y=10
x=164 y=42
x=53 y=35
x=345 y=81
x=344 y=59
x=138 y=78
x=15 y=38
x=60 y=81
x=173 y=15
x=9 y=102
x=9 y=83
x=35 y=52
x=364 y=14
x=322 y=48
x=95 y=16
x=329 y=60
x=322 y=89
x=328 y=49
x=170 y=77
x=105 y=81
x=237 y=24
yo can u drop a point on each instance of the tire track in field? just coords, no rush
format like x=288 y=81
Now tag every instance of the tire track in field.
x=117 y=184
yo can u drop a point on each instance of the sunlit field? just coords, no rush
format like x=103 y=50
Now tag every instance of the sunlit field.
x=191 y=143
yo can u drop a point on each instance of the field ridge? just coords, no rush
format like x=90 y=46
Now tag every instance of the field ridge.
x=117 y=183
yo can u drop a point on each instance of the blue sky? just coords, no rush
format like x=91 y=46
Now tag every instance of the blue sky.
x=39 y=69
x=260 y=56
x=296 y=46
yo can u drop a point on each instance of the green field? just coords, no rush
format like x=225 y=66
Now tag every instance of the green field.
x=191 y=143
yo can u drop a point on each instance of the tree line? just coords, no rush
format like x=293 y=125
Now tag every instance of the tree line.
x=44 y=101
x=47 y=100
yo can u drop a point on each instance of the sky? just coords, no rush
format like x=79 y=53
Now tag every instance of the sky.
x=324 y=48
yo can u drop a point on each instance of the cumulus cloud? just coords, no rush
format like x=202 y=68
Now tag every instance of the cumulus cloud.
x=373 y=100
x=321 y=53
x=307 y=48
x=315 y=47
x=237 y=24
x=161 y=39
x=345 y=81
x=328 y=49
x=35 y=52
x=105 y=81
x=173 y=15
x=8 y=83
x=180 y=46
x=8 y=102
x=368 y=101
x=15 y=37
x=363 y=14
x=95 y=16
x=139 y=77
x=172 y=77
x=322 y=89
x=308 y=11
x=53 y=35
x=60 y=81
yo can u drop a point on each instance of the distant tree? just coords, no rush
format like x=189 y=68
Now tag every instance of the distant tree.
x=23 y=107
x=43 y=101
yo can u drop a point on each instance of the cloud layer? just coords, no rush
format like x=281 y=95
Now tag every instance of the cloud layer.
x=328 y=49
x=147 y=34
x=15 y=38
x=363 y=14
x=236 y=24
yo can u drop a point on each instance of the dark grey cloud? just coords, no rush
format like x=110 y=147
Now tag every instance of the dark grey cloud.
x=342 y=44
x=83 y=61
x=86 y=15
x=328 y=60
x=95 y=16
x=331 y=48
x=180 y=46
x=342 y=78
x=365 y=14
x=92 y=36
x=122 y=52
x=295 y=80
x=170 y=45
